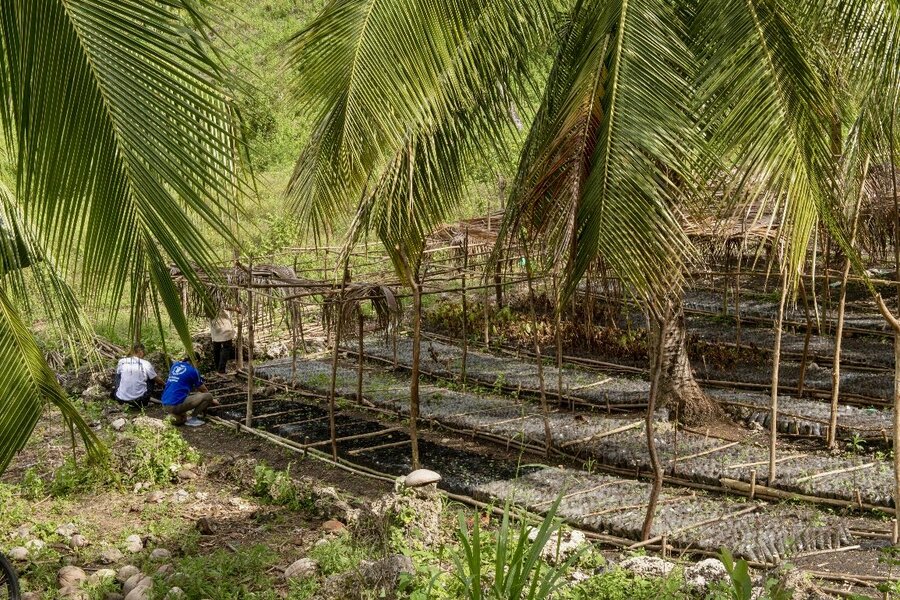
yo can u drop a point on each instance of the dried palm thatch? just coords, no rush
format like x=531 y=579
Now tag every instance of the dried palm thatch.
x=875 y=235
x=344 y=306
x=482 y=234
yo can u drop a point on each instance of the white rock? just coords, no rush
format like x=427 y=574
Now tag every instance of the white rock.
x=35 y=545
x=705 y=572
x=18 y=553
x=134 y=543
x=23 y=532
x=111 y=555
x=560 y=546
x=119 y=424
x=126 y=572
x=175 y=592
x=70 y=576
x=132 y=582
x=421 y=477
x=155 y=496
x=67 y=530
x=160 y=554
x=94 y=393
x=647 y=566
x=181 y=495
x=301 y=569
x=149 y=422
x=77 y=541
x=101 y=575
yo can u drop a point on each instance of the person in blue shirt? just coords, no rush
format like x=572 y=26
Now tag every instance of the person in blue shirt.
x=185 y=392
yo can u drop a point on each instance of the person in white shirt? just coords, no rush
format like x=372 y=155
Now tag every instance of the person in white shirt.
x=221 y=332
x=134 y=379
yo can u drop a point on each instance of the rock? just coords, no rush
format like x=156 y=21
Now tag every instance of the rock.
x=134 y=543
x=95 y=393
x=149 y=423
x=419 y=512
x=23 y=532
x=205 y=526
x=67 y=530
x=119 y=424
x=165 y=569
x=77 y=541
x=101 y=575
x=70 y=577
x=175 y=592
x=35 y=545
x=73 y=593
x=160 y=554
x=155 y=496
x=31 y=596
x=180 y=496
x=385 y=573
x=18 y=553
x=421 y=477
x=704 y=573
x=647 y=566
x=186 y=474
x=111 y=555
x=132 y=582
x=113 y=596
x=301 y=569
x=560 y=547
x=141 y=591
x=126 y=572
x=332 y=526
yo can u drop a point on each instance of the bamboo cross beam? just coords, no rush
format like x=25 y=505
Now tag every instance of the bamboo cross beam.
x=705 y=452
x=834 y=472
x=765 y=462
x=603 y=434
x=349 y=438
x=705 y=523
x=359 y=451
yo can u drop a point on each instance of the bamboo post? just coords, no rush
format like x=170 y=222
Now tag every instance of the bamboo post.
x=250 y=342
x=894 y=538
x=557 y=325
x=465 y=310
x=737 y=297
x=487 y=314
x=414 y=374
x=801 y=379
x=293 y=313
x=651 y=432
x=334 y=361
x=831 y=438
x=776 y=363
x=548 y=439
x=361 y=352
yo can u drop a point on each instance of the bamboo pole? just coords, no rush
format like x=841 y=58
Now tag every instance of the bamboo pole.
x=359 y=372
x=737 y=298
x=896 y=446
x=776 y=363
x=465 y=311
x=801 y=378
x=414 y=374
x=334 y=362
x=831 y=437
x=548 y=438
x=656 y=488
x=250 y=345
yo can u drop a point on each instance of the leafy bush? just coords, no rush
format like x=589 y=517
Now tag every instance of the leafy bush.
x=277 y=487
x=154 y=455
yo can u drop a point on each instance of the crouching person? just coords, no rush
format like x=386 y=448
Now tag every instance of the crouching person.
x=185 y=392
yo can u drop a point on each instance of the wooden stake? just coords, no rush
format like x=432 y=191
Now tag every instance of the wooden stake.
x=752 y=483
x=359 y=372
x=250 y=345
x=414 y=373
x=801 y=379
x=465 y=311
x=334 y=362
x=548 y=437
x=655 y=463
x=776 y=363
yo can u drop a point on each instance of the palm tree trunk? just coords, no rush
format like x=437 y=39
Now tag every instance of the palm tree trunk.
x=678 y=387
x=776 y=364
x=655 y=377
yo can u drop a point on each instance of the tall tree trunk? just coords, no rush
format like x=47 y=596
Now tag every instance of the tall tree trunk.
x=678 y=387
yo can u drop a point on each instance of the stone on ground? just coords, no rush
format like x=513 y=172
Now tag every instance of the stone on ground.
x=67 y=530
x=111 y=555
x=149 y=422
x=119 y=424
x=160 y=554
x=77 y=541
x=134 y=543
x=301 y=569
x=705 y=573
x=560 y=546
x=18 y=553
x=332 y=526
x=175 y=592
x=421 y=477
x=132 y=582
x=142 y=590
x=206 y=526
x=70 y=576
x=126 y=572
x=100 y=575
x=647 y=566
